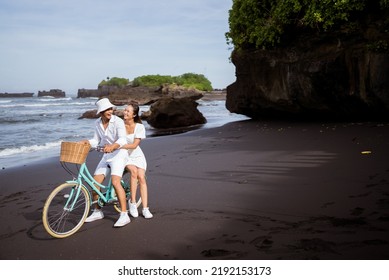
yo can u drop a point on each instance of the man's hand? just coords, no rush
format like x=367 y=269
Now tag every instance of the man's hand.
x=110 y=148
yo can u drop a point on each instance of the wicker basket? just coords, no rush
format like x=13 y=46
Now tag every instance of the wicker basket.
x=74 y=152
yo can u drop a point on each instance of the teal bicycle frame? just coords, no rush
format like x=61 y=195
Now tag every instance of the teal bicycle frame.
x=85 y=176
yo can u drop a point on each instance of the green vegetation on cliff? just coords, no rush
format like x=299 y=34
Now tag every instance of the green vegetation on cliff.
x=115 y=81
x=264 y=23
x=188 y=80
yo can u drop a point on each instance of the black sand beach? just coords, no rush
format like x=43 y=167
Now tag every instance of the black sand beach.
x=247 y=190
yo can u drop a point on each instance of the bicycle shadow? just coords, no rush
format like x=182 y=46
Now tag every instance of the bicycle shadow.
x=38 y=232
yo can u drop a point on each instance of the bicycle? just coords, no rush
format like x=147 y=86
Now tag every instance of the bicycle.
x=68 y=205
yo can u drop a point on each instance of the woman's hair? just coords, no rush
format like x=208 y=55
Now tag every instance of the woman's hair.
x=135 y=108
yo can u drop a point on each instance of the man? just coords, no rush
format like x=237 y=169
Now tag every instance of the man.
x=110 y=133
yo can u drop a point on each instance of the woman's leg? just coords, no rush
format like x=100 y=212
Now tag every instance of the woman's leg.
x=143 y=193
x=133 y=181
x=143 y=187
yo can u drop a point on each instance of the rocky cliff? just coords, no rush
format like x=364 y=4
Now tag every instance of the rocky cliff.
x=344 y=74
x=141 y=94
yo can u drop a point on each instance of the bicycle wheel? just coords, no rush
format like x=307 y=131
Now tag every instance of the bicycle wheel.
x=126 y=185
x=66 y=209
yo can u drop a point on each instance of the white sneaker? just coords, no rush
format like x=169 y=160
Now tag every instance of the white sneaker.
x=133 y=209
x=146 y=213
x=123 y=220
x=97 y=214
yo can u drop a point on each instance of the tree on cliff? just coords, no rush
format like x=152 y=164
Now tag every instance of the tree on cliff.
x=268 y=23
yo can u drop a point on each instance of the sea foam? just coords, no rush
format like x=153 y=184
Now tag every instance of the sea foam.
x=29 y=149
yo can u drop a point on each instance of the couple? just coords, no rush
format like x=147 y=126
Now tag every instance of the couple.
x=120 y=140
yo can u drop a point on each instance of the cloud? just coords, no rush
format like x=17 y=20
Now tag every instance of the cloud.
x=75 y=44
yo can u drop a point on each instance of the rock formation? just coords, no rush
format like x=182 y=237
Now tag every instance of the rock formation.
x=331 y=76
x=149 y=95
x=13 y=95
x=175 y=112
x=141 y=94
x=57 y=93
x=90 y=114
x=101 y=91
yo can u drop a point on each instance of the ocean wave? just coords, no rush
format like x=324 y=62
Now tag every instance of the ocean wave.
x=16 y=121
x=48 y=104
x=29 y=149
x=51 y=99
x=7 y=105
x=5 y=101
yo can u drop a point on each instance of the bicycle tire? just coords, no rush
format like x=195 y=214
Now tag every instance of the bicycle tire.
x=126 y=185
x=58 y=221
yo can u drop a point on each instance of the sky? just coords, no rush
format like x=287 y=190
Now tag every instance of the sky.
x=73 y=44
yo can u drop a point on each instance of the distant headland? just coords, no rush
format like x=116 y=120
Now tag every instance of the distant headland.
x=51 y=93
x=13 y=95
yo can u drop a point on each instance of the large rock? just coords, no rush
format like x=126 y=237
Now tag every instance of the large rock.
x=175 y=112
x=333 y=76
x=90 y=114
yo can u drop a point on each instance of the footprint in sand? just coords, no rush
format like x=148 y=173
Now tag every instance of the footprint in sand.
x=357 y=211
x=360 y=195
x=315 y=245
x=325 y=205
x=262 y=242
x=212 y=253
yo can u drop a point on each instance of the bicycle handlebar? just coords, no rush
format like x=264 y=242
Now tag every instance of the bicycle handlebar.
x=99 y=149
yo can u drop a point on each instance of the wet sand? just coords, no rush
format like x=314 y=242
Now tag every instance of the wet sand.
x=247 y=190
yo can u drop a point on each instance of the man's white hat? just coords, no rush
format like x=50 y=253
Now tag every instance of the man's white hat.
x=103 y=104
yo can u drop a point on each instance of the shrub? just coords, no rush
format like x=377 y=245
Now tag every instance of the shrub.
x=120 y=82
x=188 y=80
x=152 y=80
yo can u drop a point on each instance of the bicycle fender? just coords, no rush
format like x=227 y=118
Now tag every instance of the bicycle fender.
x=71 y=182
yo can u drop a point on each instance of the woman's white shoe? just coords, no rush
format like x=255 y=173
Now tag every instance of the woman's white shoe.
x=146 y=213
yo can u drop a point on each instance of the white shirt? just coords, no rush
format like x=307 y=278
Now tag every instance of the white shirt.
x=115 y=133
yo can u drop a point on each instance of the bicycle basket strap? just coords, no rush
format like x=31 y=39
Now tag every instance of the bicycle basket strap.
x=74 y=152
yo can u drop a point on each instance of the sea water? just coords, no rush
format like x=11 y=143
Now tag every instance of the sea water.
x=33 y=128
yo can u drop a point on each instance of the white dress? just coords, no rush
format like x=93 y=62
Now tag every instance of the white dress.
x=136 y=156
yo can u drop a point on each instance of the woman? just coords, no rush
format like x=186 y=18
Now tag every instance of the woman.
x=136 y=163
